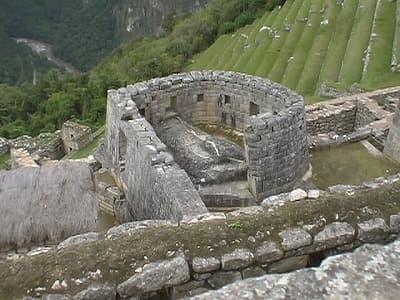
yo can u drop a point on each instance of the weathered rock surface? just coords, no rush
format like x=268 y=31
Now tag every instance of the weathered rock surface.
x=395 y=223
x=289 y=264
x=294 y=238
x=81 y=238
x=4 y=146
x=267 y=252
x=333 y=235
x=156 y=276
x=370 y=272
x=132 y=226
x=220 y=279
x=96 y=292
x=205 y=264
x=239 y=258
x=372 y=230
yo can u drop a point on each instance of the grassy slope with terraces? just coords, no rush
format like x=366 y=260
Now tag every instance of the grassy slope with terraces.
x=327 y=43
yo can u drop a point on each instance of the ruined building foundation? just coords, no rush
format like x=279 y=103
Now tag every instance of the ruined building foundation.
x=271 y=117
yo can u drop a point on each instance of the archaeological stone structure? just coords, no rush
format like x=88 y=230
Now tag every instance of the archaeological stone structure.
x=392 y=145
x=271 y=117
x=75 y=136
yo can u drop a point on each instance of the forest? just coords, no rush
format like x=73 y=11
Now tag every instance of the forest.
x=31 y=109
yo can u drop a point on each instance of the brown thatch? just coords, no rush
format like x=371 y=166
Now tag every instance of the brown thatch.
x=48 y=203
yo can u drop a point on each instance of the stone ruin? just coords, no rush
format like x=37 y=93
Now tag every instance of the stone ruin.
x=147 y=120
x=193 y=252
x=75 y=136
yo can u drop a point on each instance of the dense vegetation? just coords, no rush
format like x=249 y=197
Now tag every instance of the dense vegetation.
x=17 y=61
x=81 y=32
x=353 y=44
x=31 y=109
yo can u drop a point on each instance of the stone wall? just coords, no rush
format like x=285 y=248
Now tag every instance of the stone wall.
x=271 y=116
x=75 y=136
x=331 y=116
x=154 y=185
x=392 y=144
x=4 y=146
x=187 y=273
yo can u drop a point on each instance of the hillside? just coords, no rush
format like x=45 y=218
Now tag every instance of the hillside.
x=306 y=43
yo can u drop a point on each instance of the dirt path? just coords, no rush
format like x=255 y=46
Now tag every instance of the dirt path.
x=46 y=50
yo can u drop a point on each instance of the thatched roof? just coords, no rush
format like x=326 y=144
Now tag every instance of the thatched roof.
x=47 y=203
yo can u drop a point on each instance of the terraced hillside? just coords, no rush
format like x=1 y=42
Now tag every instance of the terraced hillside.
x=306 y=43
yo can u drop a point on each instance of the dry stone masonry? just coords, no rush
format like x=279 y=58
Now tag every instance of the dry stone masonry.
x=272 y=118
x=392 y=145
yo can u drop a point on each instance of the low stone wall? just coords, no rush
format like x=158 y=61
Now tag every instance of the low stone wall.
x=211 y=250
x=344 y=115
x=331 y=116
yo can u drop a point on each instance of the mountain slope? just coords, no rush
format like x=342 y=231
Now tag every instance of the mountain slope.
x=307 y=43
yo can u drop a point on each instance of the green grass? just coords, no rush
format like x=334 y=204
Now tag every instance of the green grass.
x=353 y=62
x=89 y=149
x=309 y=77
x=382 y=43
x=4 y=160
x=312 y=53
x=271 y=46
x=300 y=55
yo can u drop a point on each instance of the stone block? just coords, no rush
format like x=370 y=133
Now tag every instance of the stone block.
x=238 y=259
x=201 y=276
x=219 y=279
x=313 y=194
x=96 y=292
x=394 y=223
x=335 y=234
x=297 y=194
x=205 y=264
x=79 y=239
x=289 y=264
x=294 y=238
x=268 y=252
x=156 y=276
x=373 y=230
x=252 y=272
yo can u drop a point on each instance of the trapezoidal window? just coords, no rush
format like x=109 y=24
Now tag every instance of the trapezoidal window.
x=200 y=97
x=172 y=104
x=254 y=109
x=227 y=99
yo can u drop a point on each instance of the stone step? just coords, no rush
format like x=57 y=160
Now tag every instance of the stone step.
x=228 y=194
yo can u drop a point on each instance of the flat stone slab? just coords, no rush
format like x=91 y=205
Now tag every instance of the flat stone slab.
x=96 y=292
x=289 y=264
x=205 y=264
x=238 y=259
x=372 y=230
x=220 y=279
x=334 y=234
x=132 y=226
x=268 y=252
x=294 y=238
x=81 y=238
x=370 y=272
x=156 y=276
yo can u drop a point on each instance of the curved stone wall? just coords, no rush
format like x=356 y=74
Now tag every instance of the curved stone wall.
x=271 y=116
